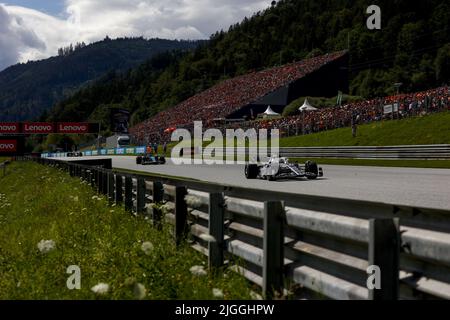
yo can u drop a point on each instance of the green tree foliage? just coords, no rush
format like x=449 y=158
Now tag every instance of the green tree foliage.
x=412 y=47
x=27 y=90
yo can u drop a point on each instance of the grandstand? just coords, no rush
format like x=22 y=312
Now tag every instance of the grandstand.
x=410 y=105
x=248 y=95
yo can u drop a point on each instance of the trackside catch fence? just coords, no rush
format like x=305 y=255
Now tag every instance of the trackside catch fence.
x=307 y=246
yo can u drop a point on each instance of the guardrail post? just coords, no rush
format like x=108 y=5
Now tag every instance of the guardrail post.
x=216 y=229
x=384 y=251
x=180 y=214
x=158 y=197
x=140 y=195
x=119 y=189
x=111 y=188
x=273 y=245
x=105 y=183
x=93 y=177
x=128 y=193
x=98 y=179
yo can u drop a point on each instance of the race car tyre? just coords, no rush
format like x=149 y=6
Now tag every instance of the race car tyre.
x=162 y=160
x=270 y=178
x=311 y=170
x=138 y=160
x=251 y=171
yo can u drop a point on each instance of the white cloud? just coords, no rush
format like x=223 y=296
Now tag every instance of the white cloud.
x=27 y=34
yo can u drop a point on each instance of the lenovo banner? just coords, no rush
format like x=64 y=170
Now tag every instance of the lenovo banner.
x=38 y=128
x=8 y=146
x=48 y=127
x=9 y=127
x=72 y=127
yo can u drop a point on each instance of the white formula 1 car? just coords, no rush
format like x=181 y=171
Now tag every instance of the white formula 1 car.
x=280 y=168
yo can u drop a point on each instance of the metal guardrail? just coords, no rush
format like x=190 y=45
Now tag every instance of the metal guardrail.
x=407 y=152
x=310 y=245
x=386 y=152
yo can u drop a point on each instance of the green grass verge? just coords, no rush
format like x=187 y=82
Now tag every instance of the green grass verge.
x=437 y=164
x=41 y=203
x=430 y=129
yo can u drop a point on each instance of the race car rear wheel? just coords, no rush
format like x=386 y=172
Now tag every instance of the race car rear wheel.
x=139 y=160
x=251 y=171
x=311 y=170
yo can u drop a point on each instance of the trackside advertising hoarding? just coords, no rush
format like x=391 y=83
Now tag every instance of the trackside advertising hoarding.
x=11 y=145
x=48 y=127
x=38 y=128
x=9 y=127
x=101 y=152
x=72 y=127
x=8 y=146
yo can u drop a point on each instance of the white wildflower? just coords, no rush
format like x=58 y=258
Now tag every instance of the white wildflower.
x=207 y=237
x=75 y=199
x=193 y=201
x=111 y=211
x=46 y=246
x=147 y=247
x=139 y=291
x=101 y=288
x=255 y=296
x=198 y=271
x=217 y=293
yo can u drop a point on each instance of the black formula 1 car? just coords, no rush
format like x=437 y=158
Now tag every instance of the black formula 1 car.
x=75 y=154
x=280 y=168
x=150 y=159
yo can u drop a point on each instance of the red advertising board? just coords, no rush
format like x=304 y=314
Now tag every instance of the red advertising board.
x=8 y=146
x=72 y=127
x=9 y=127
x=38 y=128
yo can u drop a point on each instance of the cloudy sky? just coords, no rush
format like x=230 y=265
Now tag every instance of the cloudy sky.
x=35 y=29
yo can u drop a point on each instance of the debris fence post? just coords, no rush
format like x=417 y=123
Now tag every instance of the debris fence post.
x=216 y=229
x=273 y=246
x=384 y=251
x=180 y=213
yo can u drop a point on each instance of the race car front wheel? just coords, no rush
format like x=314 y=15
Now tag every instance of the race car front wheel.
x=311 y=170
x=138 y=160
x=251 y=171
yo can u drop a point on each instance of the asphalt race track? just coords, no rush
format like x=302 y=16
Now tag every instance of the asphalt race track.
x=403 y=186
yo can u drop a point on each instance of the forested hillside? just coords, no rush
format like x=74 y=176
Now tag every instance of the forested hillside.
x=413 y=47
x=29 y=89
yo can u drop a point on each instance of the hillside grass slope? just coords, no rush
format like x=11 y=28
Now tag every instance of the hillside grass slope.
x=430 y=129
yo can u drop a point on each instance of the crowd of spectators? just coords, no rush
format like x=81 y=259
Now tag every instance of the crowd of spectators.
x=229 y=96
x=412 y=104
x=226 y=97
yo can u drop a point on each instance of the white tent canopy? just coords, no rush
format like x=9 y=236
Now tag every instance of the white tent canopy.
x=306 y=106
x=270 y=112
